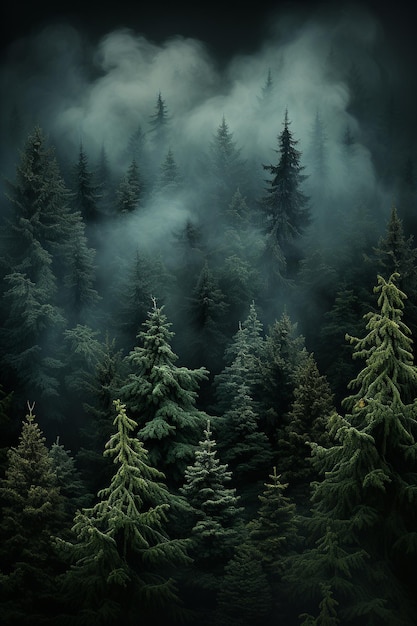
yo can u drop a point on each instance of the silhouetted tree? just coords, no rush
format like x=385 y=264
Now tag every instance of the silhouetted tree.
x=285 y=210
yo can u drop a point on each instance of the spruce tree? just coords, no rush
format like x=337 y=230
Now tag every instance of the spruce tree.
x=245 y=598
x=369 y=477
x=121 y=551
x=207 y=309
x=283 y=353
x=162 y=397
x=305 y=422
x=129 y=192
x=215 y=526
x=86 y=195
x=32 y=511
x=285 y=210
x=273 y=532
x=226 y=166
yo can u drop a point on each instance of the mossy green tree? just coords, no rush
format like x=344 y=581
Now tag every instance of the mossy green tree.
x=215 y=524
x=162 y=397
x=369 y=485
x=305 y=422
x=121 y=550
x=273 y=532
x=32 y=512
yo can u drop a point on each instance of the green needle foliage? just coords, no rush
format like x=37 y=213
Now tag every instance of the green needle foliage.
x=122 y=551
x=162 y=396
x=32 y=511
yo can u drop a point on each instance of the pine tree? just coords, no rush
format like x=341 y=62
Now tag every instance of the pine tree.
x=170 y=177
x=305 y=422
x=396 y=253
x=162 y=397
x=274 y=535
x=86 y=195
x=244 y=447
x=244 y=598
x=226 y=166
x=215 y=526
x=121 y=551
x=102 y=387
x=242 y=357
x=32 y=511
x=68 y=479
x=369 y=482
x=285 y=209
x=283 y=353
x=129 y=192
x=208 y=310
x=267 y=92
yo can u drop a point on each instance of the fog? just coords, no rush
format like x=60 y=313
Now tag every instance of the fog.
x=335 y=70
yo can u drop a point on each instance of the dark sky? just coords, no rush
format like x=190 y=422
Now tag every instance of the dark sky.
x=226 y=28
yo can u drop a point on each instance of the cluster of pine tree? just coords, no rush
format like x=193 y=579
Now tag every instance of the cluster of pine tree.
x=217 y=467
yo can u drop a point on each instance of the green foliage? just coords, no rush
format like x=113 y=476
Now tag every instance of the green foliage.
x=121 y=550
x=285 y=207
x=163 y=397
x=129 y=192
x=244 y=598
x=32 y=511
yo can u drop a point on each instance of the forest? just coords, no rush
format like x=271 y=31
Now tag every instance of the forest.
x=208 y=306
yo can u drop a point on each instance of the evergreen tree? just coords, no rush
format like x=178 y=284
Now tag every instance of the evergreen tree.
x=215 y=526
x=396 y=253
x=160 y=118
x=369 y=483
x=104 y=183
x=32 y=511
x=244 y=447
x=146 y=277
x=305 y=422
x=129 y=193
x=162 y=397
x=69 y=480
x=242 y=367
x=81 y=296
x=121 y=551
x=285 y=208
x=274 y=535
x=208 y=310
x=244 y=598
x=226 y=167
x=267 y=91
x=102 y=387
x=86 y=191
x=170 y=178
x=283 y=353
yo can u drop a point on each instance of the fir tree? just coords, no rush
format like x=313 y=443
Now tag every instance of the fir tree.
x=32 y=511
x=244 y=598
x=129 y=193
x=207 y=310
x=170 y=177
x=305 y=422
x=121 y=551
x=226 y=166
x=283 y=353
x=215 y=520
x=274 y=535
x=285 y=208
x=369 y=473
x=86 y=191
x=162 y=397
x=102 y=387
x=396 y=253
